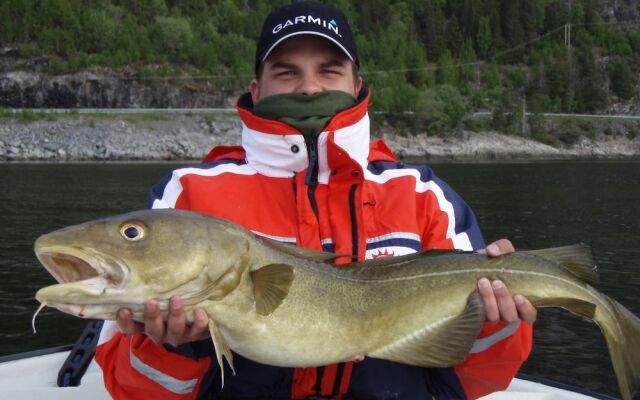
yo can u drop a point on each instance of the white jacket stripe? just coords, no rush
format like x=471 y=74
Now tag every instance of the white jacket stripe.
x=173 y=188
x=460 y=240
x=170 y=383
x=484 y=343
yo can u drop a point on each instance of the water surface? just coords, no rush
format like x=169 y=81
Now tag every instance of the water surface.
x=534 y=204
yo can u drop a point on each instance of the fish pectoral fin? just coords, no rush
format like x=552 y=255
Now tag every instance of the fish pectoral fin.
x=271 y=285
x=441 y=344
x=221 y=347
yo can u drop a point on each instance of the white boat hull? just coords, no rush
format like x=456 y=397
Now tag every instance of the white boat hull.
x=34 y=378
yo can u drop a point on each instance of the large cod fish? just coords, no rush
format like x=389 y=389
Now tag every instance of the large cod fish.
x=282 y=305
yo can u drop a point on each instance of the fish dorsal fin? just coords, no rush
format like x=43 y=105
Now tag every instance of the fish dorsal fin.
x=301 y=252
x=271 y=285
x=221 y=347
x=576 y=259
x=442 y=344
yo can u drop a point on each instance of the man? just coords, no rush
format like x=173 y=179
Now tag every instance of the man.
x=305 y=174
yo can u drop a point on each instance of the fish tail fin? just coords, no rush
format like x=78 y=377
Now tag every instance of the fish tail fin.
x=621 y=329
x=576 y=259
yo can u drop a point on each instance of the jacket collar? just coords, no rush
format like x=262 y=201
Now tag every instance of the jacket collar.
x=277 y=149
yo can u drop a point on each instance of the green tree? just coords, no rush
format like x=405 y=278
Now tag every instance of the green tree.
x=453 y=34
x=615 y=42
x=100 y=31
x=591 y=95
x=416 y=56
x=236 y=52
x=447 y=71
x=469 y=68
x=492 y=76
x=172 y=36
x=434 y=36
x=147 y=10
x=634 y=41
x=561 y=81
x=440 y=108
x=511 y=24
x=59 y=26
x=470 y=15
x=622 y=80
x=483 y=38
x=507 y=114
x=6 y=23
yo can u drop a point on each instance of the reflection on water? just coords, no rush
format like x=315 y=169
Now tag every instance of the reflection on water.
x=39 y=198
x=540 y=205
x=534 y=204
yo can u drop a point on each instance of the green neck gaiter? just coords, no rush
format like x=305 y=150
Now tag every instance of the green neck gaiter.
x=309 y=114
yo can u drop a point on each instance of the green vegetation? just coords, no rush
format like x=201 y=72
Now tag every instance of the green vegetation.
x=438 y=59
x=27 y=116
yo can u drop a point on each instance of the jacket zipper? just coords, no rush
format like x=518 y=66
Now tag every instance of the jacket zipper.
x=355 y=250
x=312 y=174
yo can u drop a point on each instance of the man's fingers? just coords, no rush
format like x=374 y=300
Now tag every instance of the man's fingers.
x=175 y=331
x=199 y=330
x=498 y=248
x=153 y=323
x=506 y=304
x=126 y=324
x=527 y=312
x=176 y=321
x=489 y=300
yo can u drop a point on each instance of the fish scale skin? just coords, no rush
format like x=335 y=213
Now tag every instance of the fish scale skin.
x=344 y=312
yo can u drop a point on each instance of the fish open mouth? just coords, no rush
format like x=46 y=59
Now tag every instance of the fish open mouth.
x=83 y=275
x=94 y=271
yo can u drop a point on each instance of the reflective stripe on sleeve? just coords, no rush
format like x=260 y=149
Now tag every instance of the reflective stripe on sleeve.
x=170 y=383
x=484 y=343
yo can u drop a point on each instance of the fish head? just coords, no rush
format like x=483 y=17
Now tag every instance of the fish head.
x=126 y=260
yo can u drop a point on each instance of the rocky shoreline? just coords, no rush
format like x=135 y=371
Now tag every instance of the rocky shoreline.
x=187 y=137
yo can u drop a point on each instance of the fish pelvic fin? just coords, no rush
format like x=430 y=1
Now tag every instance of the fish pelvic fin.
x=442 y=344
x=271 y=285
x=621 y=330
x=221 y=348
x=576 y=259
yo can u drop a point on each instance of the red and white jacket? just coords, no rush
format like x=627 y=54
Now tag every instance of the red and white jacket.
x=337 y=194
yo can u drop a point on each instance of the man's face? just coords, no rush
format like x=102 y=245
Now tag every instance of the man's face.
x=305 y=64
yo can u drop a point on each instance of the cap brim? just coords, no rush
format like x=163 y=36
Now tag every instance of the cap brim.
x=341 y=47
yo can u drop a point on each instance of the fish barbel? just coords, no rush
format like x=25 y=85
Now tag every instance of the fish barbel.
x=287 y=306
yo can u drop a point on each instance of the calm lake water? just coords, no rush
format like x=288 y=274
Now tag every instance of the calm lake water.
x=536 y=205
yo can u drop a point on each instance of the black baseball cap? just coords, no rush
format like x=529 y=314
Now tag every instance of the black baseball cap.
x=306 y=18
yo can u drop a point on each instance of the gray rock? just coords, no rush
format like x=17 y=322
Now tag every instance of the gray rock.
x=24 y=89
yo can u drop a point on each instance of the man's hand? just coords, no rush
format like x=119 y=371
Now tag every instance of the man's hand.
x=175 y=331
x=499 y=304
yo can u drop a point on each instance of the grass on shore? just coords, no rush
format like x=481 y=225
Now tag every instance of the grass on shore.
x=27 y=116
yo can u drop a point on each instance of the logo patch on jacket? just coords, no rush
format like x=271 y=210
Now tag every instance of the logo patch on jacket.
x=379 y=253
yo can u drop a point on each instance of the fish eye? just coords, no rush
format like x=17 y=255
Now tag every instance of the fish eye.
x=132 y=231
